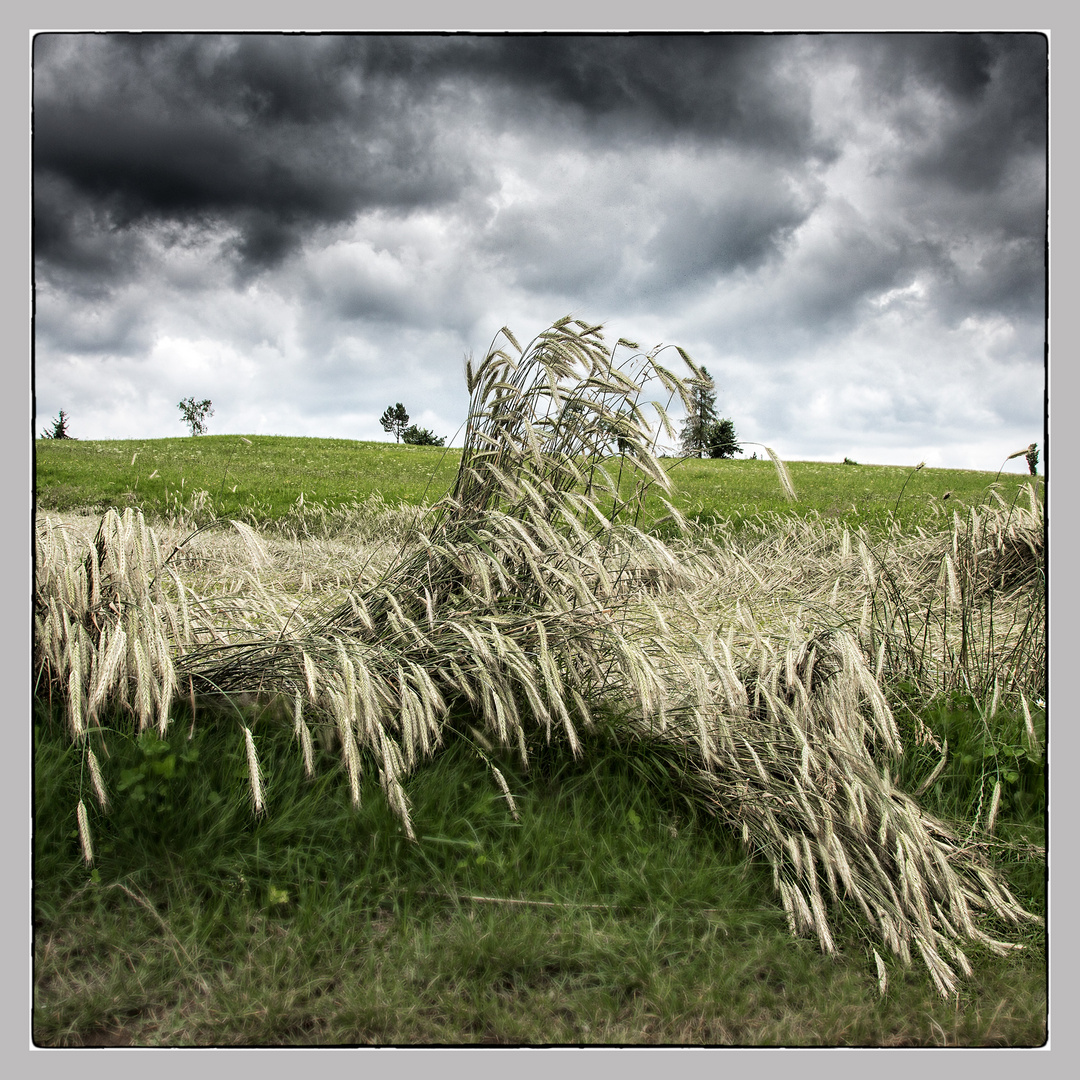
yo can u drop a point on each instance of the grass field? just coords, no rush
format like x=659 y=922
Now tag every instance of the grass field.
x=751 y=781
x=261 y=478
x=609 y=914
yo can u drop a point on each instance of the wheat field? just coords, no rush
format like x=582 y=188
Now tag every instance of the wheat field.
x=556 y=589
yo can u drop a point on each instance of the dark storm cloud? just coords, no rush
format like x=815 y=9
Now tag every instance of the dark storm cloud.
x=276 y=136
x=77 y=241
x=661 y=86
x=947 y=186
x=976 y=178
x=993 y=88
x=736 y=224
x=991 y=95
x=269 y=136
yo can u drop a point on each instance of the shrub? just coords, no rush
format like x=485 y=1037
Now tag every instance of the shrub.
x=418 y=436
x=721 y=440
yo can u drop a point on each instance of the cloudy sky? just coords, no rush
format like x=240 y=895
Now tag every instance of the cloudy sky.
x=848 y=231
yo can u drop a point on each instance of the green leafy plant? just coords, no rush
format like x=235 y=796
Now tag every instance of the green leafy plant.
x=148 y=782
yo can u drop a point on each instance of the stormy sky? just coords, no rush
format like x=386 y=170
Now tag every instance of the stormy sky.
x=848 y=231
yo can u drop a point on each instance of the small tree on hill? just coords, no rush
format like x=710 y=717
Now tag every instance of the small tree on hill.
x=194 y=414
x=701 y=417
x=721 y=440
x=59 y=428
x=1032 y=456
x=394 y=419
x=418 y=436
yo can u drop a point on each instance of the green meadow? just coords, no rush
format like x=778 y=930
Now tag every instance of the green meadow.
x=261 y=478
x=312 y=768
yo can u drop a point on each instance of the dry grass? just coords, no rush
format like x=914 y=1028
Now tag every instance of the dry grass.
x=531 y=598
x=960 y=608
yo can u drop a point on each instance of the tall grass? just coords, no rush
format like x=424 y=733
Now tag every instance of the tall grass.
x=532 y=607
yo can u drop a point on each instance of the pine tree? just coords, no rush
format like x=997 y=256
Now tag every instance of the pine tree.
x=59 y=428
x=395 y=419
x=701 y=417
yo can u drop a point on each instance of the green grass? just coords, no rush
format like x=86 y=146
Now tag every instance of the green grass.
x=736 y=491
x=262 y=479
x=610 y=913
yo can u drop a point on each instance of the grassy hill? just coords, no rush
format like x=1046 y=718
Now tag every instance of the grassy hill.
x=261 y=478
